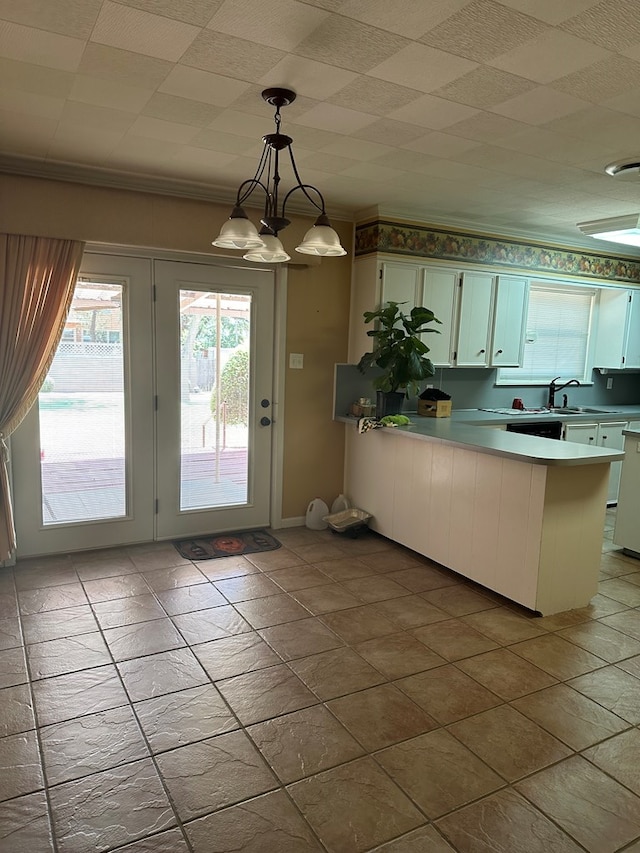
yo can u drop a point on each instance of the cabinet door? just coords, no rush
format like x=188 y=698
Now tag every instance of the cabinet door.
x=610 y=435
x=401 y=283
x=613 y=311
x=438 y=295
x=581 y=433
x=508 y=321
x=476 y=298
x=632 y=344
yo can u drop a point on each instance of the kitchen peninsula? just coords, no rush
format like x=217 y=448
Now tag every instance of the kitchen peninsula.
x=518 y=514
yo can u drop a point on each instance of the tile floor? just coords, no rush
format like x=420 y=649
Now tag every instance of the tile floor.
x=334 y=695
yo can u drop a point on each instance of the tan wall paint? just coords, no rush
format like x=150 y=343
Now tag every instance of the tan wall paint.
x=317 y=311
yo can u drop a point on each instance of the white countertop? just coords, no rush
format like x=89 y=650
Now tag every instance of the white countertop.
x=464 y=429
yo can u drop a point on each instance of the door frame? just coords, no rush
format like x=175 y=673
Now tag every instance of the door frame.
x=279 y=348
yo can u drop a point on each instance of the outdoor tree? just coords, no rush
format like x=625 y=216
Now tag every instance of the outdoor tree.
x=234 y=388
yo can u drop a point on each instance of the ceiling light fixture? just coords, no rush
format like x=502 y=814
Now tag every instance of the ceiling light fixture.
x=618 y=229
x=238 y=232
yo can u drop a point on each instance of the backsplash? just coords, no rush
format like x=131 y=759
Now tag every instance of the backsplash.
x=474 y=389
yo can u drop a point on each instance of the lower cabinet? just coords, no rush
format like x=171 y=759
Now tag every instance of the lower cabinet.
x=601 y=435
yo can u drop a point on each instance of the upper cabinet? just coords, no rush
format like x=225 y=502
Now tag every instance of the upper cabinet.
x=618 y=330
x=482 y=315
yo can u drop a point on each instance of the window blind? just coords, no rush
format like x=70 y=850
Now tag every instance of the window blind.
x=557 y=335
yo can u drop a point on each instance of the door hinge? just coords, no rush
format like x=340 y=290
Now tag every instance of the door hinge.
x=460 y=282
x=380 y=275
x=455 y=355
x=629 y=297
x=156 y=506
x=623 y=359
x=154 y=293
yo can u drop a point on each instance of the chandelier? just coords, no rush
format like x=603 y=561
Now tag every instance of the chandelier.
x=264 y=246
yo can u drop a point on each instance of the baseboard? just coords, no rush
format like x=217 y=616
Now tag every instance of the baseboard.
x=298 y=521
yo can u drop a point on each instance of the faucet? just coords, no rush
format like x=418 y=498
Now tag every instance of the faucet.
x=553 y=388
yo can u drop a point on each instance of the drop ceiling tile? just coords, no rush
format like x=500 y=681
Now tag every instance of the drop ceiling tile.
x=141 y=32
x=581 y=123
x=109 y=93
x=242 y=124
x=73 y=18
x=28 y=103
x=482 y=30
x=540 y=105
x=438 y=144
x=339 y=119
x=371 y=95
x=476 y=176
x=541 y=142
x=205 y=159
x=610 y=23
x=349 y=44
x=226 y=143
x=372 y=172
x=123 y=66
x=551 y=11
x=181 y=110
x=356 y=149
x=329 y=162
x=431 y=112
x=312 y=137
x=278 y=23
x=602 y=80
x=388 y=132
x=486 y=127
x=90 y=116
x=184 y=82
x=329 y=5
x=405 y=17
x=29 y=135
x=230 y=56
x=85 y=145
x=308 y=77
x=26 y=77
x=420 y=67
x=27 y=44
x=553 y=54
x=485 y=87
x=198 y=12
x=138 y=153
x=409 y=161
x=167 y=131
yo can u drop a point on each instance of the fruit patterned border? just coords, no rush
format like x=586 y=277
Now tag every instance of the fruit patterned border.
x=424 y=242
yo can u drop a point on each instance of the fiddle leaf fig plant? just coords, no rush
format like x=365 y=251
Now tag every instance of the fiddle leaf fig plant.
x=398 y=349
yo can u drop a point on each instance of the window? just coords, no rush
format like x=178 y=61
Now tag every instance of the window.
x=557 y=335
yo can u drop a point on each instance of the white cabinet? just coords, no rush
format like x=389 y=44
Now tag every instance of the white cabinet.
x=601 y=435
x=618 y=333
x=474 y=320
x=627 y=530
x=509 y=318
x=481 y=315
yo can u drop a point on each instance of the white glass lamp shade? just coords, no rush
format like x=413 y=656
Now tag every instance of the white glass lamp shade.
x=272 y=252
x=321 y=239
x=238 y=232
x=617 y=229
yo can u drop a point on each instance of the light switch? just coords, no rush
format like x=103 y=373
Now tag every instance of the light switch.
x=296 y=360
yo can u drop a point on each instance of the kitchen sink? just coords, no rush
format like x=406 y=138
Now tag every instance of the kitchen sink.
x=578 y=410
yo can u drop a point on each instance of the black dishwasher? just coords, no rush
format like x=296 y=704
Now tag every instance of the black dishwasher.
x=545 y=429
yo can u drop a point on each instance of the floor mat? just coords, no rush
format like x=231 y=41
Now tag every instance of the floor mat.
x=226 y=544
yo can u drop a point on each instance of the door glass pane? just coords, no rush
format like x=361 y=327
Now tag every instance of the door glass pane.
x=82 y=412
x=215 y=334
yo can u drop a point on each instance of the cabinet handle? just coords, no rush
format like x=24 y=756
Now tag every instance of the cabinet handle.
x=605 y=437
x=499 y=352
x=482 y=351
x=590 y=438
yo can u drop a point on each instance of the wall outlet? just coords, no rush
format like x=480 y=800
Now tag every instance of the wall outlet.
x=610 y=383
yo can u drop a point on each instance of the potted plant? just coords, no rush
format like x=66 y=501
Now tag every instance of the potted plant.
x=399 y=351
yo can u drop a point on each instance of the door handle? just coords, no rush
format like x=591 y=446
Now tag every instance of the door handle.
x=265 y=421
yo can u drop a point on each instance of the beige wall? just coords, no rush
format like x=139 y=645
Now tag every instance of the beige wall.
x=317 y=312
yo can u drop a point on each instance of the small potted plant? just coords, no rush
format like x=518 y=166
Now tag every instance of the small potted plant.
x=400 y=352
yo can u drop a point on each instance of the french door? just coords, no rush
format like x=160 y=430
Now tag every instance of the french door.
x=155 y=419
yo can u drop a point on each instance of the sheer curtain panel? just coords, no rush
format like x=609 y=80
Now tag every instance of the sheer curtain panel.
x=37 y=279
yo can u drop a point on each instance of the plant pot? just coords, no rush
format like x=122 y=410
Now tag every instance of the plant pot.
x=389 y=403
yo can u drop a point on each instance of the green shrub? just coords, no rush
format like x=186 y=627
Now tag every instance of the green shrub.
x=234 y=388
